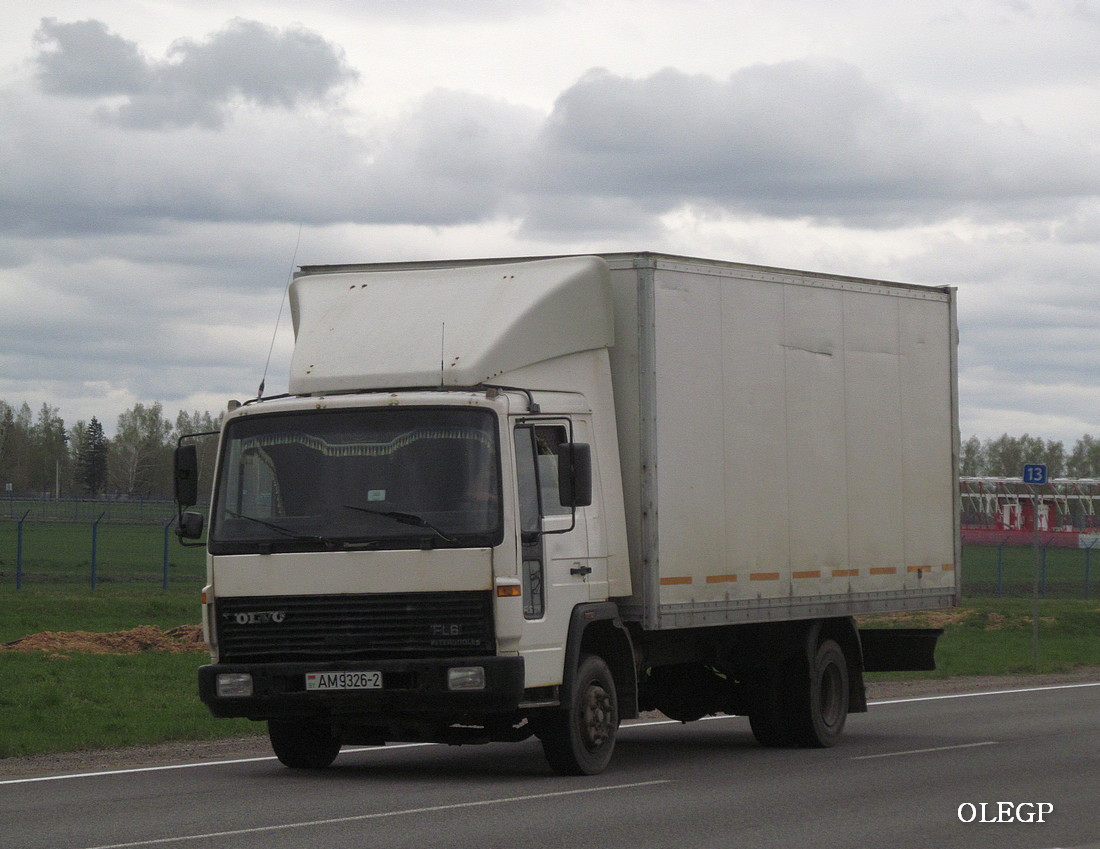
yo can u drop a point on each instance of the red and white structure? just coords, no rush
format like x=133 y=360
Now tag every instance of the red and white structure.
x=1004 y=511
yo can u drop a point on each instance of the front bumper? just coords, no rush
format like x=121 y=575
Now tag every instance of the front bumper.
x=409 y=687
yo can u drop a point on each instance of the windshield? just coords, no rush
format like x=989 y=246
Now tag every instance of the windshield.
x=408 y=477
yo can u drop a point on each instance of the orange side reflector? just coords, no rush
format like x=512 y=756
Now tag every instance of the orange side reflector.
x=509 y=591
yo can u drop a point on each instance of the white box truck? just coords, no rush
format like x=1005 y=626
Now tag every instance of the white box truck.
x=519 y=497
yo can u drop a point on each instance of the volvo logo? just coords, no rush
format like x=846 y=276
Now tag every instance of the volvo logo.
x=258 y=617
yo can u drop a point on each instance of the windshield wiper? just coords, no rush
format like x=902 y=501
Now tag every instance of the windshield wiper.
x=404 y=519
x=327 y=542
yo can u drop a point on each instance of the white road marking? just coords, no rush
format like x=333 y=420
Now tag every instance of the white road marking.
x=107 y=772
x=986 y=693
x=924 y=751
x=379 y=815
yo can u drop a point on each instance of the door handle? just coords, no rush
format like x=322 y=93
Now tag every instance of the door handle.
x=581 y=570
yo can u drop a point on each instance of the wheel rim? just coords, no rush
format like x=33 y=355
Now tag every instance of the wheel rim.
x=597 y=712
x=831 y=701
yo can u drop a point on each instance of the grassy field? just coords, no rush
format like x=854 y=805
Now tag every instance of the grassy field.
x=993 y=636
x=58 y=703
x=64 y=701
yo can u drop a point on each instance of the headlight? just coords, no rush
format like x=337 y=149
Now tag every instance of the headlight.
x=466 y=678
x=234 y=685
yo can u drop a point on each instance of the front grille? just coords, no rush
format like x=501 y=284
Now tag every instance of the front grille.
x=353 y=627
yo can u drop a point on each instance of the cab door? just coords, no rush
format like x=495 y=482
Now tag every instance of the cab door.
x=557 y=563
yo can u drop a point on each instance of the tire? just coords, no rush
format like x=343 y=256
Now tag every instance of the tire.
x=819 y=706
x=300 y=744
x=580 y=739
x=769 y=729
x=768 y=714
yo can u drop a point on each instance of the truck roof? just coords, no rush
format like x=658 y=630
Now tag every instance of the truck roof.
x=400 y=325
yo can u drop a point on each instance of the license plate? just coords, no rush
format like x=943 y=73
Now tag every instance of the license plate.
x=343 y=680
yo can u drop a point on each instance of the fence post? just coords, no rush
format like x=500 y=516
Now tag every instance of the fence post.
x=164 y=567
x=1000 y=568
x=19 y=552
x=1088 y=558
x=1043 y=575
x=95 y=534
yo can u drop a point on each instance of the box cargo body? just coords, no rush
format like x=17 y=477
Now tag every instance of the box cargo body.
x=518 y=497
x=787 y=439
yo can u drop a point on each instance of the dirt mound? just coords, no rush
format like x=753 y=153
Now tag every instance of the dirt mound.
x=185 y=638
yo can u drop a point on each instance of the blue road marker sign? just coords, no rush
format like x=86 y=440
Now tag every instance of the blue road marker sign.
x=1035 y=473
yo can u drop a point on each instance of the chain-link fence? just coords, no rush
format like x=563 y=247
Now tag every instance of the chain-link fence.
x=78 y=543
x=46 y=509
x=98 y=550
x=1050 y=571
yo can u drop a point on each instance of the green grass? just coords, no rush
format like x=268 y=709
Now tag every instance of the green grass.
x=68 y=701
x=97 y=701
x=117 y=607
x=993 y=636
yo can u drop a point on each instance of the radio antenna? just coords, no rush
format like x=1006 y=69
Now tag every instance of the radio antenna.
x=442 y=349
x=279 y=317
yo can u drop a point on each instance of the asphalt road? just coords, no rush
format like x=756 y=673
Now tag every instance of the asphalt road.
x=906 y=775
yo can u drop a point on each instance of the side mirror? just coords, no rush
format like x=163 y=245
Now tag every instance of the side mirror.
x=186 y=462
x=190 y=526
x=575 y=474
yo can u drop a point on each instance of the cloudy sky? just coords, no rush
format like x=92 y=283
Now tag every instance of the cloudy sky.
x=164 y=164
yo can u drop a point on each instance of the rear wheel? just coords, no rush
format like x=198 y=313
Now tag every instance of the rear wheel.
x=769 y=729
x=580 y=739
x=301 y=744
x=819 y=708
x=805 y=702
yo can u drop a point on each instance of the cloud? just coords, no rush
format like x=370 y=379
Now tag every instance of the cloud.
x=802 y=138
x=455 y=158
x=199 y=81
x=84 y=59
x=808 y=139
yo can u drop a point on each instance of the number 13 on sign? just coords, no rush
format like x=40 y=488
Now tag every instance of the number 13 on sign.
x=1035 y=474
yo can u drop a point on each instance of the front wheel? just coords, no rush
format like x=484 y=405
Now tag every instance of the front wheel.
x=580 y=739
x=300 y=744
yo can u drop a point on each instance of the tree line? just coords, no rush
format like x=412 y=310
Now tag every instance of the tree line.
x=40 y=456
x=1005 y=457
